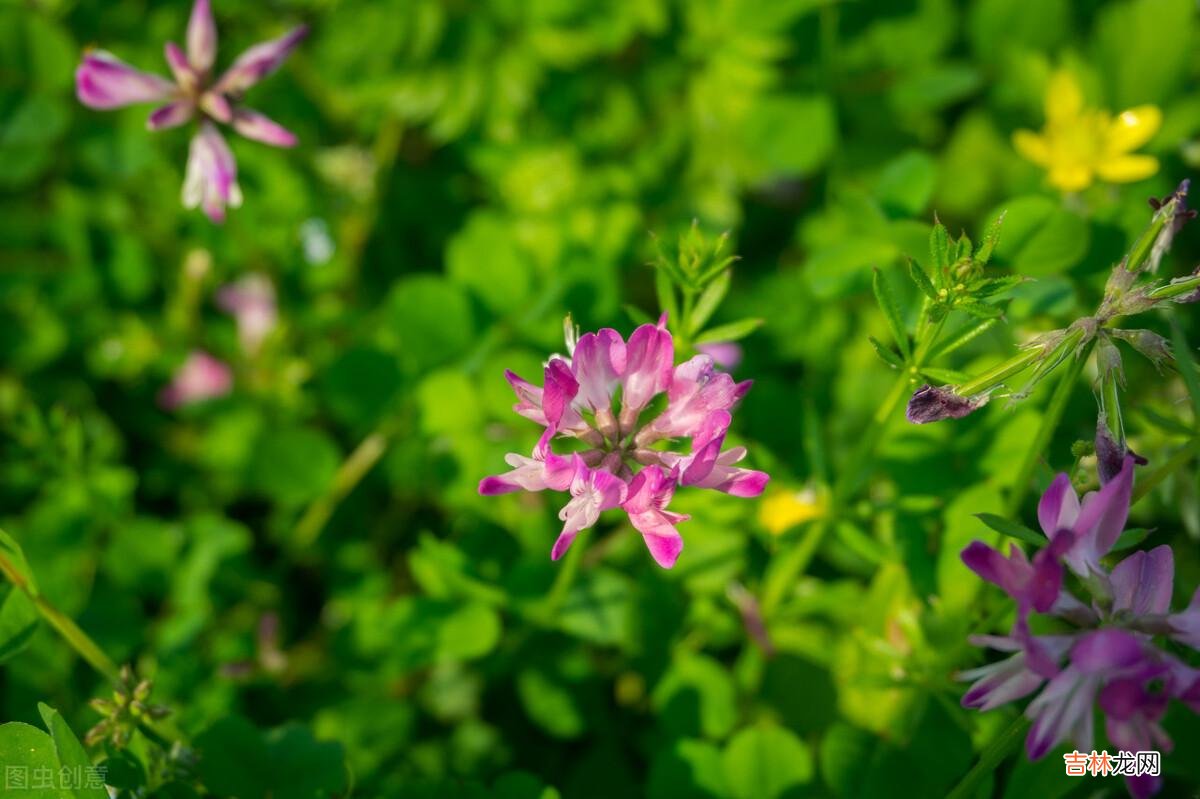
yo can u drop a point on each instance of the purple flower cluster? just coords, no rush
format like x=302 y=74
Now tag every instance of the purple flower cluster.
x=624 y=463
x=1106 y=652
x=103 y=81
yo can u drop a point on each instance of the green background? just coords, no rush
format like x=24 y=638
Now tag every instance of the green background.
x=480 y=168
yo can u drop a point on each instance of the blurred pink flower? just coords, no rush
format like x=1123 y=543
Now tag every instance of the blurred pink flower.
x=201 y=377
x=251 y=302
x=725 y=354
x=619 y=466
x=103 y=81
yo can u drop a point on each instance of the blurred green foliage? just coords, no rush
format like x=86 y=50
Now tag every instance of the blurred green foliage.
x=304 y=568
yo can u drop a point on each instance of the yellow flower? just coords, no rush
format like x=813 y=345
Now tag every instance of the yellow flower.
x=1080 y=145
x=783 y=510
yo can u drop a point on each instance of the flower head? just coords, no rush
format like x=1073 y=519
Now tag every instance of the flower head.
x=103 y=81
x=1080 y=145
x=626 y=461
x=251 y=302
x=201 y=377
x=1107 y=656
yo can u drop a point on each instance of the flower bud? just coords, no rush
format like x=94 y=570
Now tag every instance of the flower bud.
x=934 y=403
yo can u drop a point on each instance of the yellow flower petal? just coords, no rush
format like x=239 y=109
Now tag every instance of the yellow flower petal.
x=1133 y=128
x=1032 y=146
x=1071 y=177
x=1064 y=98
x=783 y=510
x=1127 y=168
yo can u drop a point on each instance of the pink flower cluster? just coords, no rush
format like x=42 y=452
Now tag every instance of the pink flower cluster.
x=625 y=462
x=103 y=82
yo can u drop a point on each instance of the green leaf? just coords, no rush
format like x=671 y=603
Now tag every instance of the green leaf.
x=696 y=698
x=637 y=315
x=991 y=237
x=885 y=295
x=917 y=273
x=687 y=770
x=551 y=704
x=1042 y=237
x=886 y=354
x=766 y=762
x=730 y=332
x=787 y=134
x=960 y=337
x=293 y=465
x=666 y=295
x=599 y=608
x=709 y=299
x=1131 y=538
x=950 y=377
x=71 y=754
x=906 y=183
x=30 y=763
x=978 y=309
x=939 y=247
x=19 y=617
x=1012 y=529
x=843 y=751
x=1186 y=365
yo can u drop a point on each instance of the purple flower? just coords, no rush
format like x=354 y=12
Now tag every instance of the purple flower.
x=201 y=377
x=725 y=354
x=1111 y=660
x=617 y=466
x=103 y=81
x=251 y=302
x=1095 y=523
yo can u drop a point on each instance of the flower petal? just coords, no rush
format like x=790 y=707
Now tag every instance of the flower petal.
x=1064 y=98
x=1101 y=519
x=1032 y=146
x=202 y=36
x=259 y=127
x=1142 y=582
x=1133 y=128
x=170 y=115
x=1059 y=506
x=258 y=62
x=211 y=178
x=1127 y=168
x=103 y=81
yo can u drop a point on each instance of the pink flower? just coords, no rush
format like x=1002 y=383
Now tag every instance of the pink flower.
x=201 y=377
x=251 y=302
x=617 y=466
x=103 y=81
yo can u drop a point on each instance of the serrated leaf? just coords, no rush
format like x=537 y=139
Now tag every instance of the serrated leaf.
x=921 y=279
x=960 y=337
x=708 y=302
x=888 y=357
x=730 y=332
x=996 y=285
x=964 y=248
x=991 y=237
x=1012 y=529
x=885 y=295
x=979 y=309
x=939 y=246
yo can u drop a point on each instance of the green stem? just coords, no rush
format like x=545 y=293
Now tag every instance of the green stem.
x=563 y=580
x=349 y=474
x=1001 y=747
x=1049 y=423
x=62 y=624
